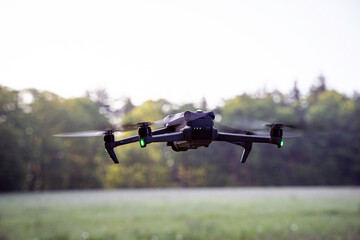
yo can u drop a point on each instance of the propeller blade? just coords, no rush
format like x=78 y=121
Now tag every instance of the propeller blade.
x=282 y=125
x=121 y=128
x=291 y=135
x=246 y=123
x=159 y=123
x=131 y=127
x=261 y=131
x=234 y=130
x=286 y=135
x=127 y=127
x=93 y=133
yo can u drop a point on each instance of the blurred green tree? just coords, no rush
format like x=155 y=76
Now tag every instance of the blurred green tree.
x=29 y=152
x=32 y=159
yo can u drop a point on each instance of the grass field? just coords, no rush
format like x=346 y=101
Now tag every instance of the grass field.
x=183 y=214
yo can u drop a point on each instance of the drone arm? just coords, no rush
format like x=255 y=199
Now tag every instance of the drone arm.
x=126 y=141
x=159 y=131
x=243 y=140
x=111 y=144
x=157 y=138
x=236 y=138
x=170 y=137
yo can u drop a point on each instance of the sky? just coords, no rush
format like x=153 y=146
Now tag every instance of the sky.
x=182 y=51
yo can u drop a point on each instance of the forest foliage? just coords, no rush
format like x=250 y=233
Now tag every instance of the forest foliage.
x=326 y=153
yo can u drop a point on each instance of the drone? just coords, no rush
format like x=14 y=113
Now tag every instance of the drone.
x=184 y=131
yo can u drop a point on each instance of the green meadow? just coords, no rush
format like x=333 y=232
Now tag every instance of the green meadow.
x=183 y=214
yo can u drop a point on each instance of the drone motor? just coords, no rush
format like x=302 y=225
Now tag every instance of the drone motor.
x=109 y=139
x=276 y=133
x=144 y=134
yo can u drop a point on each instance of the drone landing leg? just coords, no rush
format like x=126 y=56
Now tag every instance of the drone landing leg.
x=247 y=148
x=110 y=144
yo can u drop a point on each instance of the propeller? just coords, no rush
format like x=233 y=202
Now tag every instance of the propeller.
x=96 y=133
x=258 y=128
x=282 y=125
x=92 y=133
x=234 y=130
x=285 y=135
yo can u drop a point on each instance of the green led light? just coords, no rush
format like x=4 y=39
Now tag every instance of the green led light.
x=106 y=150
x=142 y=142
x=282 y=143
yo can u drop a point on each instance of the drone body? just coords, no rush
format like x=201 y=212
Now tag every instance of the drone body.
x=183 y=131
x=190 y=130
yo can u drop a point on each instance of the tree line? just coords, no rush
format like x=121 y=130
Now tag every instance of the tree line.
x=326 y=153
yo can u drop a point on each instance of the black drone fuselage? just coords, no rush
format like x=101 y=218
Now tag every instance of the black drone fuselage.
x=197 y=131
x=190 y=130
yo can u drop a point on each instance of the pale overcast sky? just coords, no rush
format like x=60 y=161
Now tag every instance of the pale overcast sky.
x=179 y=50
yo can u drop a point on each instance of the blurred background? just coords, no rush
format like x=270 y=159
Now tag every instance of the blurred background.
x=325 y=153
x=84 y=65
